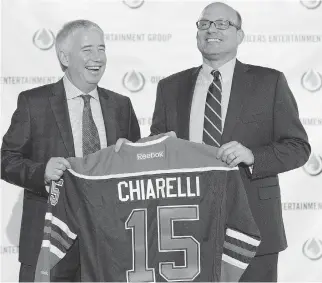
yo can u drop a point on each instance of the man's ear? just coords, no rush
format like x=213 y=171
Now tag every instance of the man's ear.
x=240 y=36
x=63 y=58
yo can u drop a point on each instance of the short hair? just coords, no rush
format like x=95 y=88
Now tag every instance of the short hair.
x=69 y=29
x=239 y=19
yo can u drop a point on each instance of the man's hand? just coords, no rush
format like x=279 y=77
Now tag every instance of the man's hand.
x=233 y=153
x=171 y=134
x=55 y=168
x=119 y=143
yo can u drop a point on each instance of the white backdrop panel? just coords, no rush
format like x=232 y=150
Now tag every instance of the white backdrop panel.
x=147 y=43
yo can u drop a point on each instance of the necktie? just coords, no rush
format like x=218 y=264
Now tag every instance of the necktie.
x=91 y=141
x=212 y=130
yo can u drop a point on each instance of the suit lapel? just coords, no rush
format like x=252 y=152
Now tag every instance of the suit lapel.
x=241 y=90
x=108 y=110
x=59 y=107
x=184 y=101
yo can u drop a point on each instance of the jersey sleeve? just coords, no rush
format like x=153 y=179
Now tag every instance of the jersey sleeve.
x=242 y=236
x=60 y=229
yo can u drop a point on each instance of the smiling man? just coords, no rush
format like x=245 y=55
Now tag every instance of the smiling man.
x=73 y=117
x=249 y=112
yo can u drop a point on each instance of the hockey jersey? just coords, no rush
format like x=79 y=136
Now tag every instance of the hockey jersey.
x=161 y=210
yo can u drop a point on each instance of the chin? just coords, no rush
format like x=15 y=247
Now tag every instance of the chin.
x=93 y=82
x=213 y=56
x=93 y=79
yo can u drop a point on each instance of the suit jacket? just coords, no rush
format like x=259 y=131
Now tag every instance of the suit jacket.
x=40 y=129
x=263 y=116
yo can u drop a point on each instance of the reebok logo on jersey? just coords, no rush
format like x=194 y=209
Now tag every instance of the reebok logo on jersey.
x=150 y=155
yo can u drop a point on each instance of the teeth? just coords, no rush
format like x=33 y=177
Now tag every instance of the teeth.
x=93 y=68
x=213 y=39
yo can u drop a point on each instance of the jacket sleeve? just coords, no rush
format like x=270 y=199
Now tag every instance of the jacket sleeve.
x=16 y=166
x=242 y=236
x=159 y=115
x=290 y=148
x=134 y=133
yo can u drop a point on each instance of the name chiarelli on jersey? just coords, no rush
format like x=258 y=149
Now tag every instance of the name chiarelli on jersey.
x=161 y=210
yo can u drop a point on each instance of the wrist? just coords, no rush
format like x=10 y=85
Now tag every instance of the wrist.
x=252 y=159
x=46 y=180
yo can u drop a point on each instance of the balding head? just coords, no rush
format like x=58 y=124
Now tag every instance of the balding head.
x=223 y=11
x=219 y=33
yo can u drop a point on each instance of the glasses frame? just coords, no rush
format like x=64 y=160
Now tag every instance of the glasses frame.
x=214 y=22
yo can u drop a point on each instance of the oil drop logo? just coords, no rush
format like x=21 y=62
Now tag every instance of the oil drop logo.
x=133 y=81
x=313 y=166
x=312 y=81
x=133 y=4
x=312 y=249
x=311 y=4
x=44 y=39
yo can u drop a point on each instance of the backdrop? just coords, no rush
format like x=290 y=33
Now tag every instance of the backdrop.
x=148 y=40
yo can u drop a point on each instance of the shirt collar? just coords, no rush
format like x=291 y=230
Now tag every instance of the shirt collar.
x=226 y=70
x=72 y=91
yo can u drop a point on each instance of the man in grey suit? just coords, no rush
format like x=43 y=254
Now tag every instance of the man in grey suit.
x=73 y=117
x=249 y=112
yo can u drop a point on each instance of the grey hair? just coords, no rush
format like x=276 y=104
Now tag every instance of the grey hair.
x=239 y=19
x=65 y=33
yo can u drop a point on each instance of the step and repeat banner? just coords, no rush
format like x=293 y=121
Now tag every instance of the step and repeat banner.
x=149 y=40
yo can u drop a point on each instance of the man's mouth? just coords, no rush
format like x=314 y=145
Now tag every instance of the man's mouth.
x=213 y=40
x=94 y=70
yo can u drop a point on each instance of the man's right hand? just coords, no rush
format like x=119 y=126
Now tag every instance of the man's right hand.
x=55 y=168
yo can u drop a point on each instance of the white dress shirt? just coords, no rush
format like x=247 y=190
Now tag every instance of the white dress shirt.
x=75 y=108
x=197 y=114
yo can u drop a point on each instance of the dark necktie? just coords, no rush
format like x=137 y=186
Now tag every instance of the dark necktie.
x=212 y=129
x=91 y=141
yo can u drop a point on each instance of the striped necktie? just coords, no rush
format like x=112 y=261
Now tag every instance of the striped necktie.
x=91 y=141
x=212 y=129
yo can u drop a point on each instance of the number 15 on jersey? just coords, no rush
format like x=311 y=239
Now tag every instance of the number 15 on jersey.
x=167 y=242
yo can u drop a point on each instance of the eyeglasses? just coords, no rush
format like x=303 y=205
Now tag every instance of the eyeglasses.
x=219 y=24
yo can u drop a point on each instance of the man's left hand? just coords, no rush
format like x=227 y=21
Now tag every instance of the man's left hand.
x=119 y=143
x=233 y=153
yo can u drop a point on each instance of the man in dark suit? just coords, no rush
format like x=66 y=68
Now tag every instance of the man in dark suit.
x=72 y=117
x=249 y=112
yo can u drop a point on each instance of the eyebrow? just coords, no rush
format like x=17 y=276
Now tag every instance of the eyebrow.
x=88 y=46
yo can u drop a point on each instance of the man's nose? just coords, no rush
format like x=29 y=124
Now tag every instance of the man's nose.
x=96 y=55
x=212 y=27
